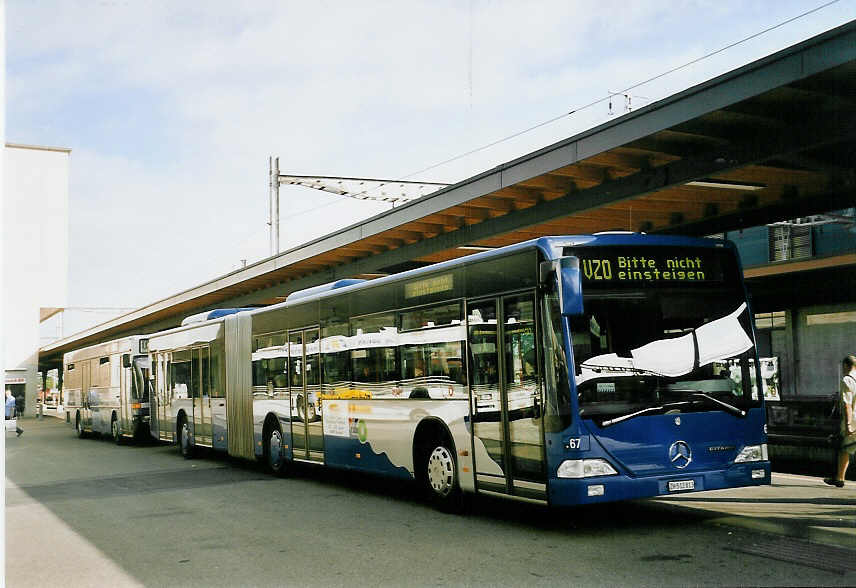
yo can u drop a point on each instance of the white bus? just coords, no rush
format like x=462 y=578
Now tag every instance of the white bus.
x=107 y=388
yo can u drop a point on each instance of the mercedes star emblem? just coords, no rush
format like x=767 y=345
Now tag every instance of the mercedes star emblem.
x=680 y=454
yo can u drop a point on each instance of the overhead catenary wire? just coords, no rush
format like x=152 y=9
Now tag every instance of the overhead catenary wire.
x=596 y=101
x=624 y=91
x=336 y=185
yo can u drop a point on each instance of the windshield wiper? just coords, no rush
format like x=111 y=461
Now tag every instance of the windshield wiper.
x=730 y=407
x=625 y=417
x=598 y=368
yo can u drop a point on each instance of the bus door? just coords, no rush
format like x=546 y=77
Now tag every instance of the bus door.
x=167 y=422
x=125 y=384
x=506 y=396
x=93 y=402
x=201 y=391
x=85 y=380
x=155 y=395
x=305 y=380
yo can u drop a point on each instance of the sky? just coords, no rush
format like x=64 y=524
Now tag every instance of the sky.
x=172 y=109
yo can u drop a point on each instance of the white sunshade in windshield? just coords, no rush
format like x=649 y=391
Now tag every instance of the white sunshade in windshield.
x=717 y=340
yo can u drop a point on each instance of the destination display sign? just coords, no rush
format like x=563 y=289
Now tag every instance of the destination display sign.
x=428 y=286
x=608 y=266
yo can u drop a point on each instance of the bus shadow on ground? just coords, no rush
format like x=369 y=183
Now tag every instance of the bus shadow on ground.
x=128 y=485
x=332 y=484
x=217 y=469
x=638 y=516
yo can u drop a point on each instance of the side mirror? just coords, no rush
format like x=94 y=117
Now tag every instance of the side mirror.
x=126 y=360
x=570 y=286
x=567 y=270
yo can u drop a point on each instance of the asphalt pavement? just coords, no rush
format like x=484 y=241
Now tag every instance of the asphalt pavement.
x=793 y=507
x=801 y=507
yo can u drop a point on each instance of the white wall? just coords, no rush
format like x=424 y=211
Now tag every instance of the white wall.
x=35 y=250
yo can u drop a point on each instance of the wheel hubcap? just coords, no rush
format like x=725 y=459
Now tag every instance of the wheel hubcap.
x=441 y=471
x=115 y=429
x=185 y=437
x=275 y=449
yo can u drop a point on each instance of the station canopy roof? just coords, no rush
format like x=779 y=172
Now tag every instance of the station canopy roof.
x=771 y=140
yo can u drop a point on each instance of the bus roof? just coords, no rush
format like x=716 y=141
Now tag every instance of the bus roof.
x=129 y=344
x=208 y=315
x=551 y=247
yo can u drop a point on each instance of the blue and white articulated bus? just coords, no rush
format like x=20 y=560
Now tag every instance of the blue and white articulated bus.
x=563 y=370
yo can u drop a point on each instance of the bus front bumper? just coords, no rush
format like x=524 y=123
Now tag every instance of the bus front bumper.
x=570 y=492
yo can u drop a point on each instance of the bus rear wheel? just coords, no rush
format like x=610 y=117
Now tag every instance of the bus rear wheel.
x=275 y=459
x=185 y=443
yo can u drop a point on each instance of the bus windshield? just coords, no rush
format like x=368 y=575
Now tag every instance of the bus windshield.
x=140 y=379
x=663 y=349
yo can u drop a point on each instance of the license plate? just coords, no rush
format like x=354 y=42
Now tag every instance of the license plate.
x=681 y=485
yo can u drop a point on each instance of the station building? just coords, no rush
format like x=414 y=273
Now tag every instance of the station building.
x=35 y=258
x=801 y=274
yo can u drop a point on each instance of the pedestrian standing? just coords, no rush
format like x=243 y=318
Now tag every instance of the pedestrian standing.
x=847 y=404
x=12 y=411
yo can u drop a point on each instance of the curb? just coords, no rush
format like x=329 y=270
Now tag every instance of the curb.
x=811 y=534
x=785 y=528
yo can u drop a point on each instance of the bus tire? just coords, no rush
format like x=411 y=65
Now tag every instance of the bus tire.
x=441 y=477
x=115 y=433
x=276 y=461
x=78 y=427
x=185 y=443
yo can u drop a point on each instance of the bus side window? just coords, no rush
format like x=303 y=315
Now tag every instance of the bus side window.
x=432 y=347
x=180 y=370
x=374 y=359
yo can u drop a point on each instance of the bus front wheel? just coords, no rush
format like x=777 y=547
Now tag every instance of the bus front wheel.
x=114 y=431
x=78 y=427
x=441 y=478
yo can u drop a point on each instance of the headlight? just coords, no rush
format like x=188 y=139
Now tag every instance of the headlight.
x=585 y=468
x=752 y=453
